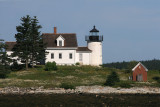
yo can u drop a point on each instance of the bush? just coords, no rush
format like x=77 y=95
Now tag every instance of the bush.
x=127 y=71
x=4 y=71
x=156 y=78
x=50 y=66
x=112 y=79
x=16 y=67
x=3 y=74
x=77 y=63
x=124 y=84
x=67 y=86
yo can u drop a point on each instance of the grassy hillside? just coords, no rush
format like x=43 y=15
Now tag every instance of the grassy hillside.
x=70 y=75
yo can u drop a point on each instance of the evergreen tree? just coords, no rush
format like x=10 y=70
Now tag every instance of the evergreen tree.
x=38 y=47
x=23 y=42
x=112 y=79
x=29 y=44
x=4 y=60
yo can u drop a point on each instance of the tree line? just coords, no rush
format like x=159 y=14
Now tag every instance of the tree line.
x=149 y=64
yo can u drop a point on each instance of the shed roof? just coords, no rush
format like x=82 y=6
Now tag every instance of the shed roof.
x=83 y=49
x=138 y=65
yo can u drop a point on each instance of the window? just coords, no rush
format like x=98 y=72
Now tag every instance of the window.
x=80 y=57
x=60 y=43
x=52 y=55
x=70 y=56
x=60 y=55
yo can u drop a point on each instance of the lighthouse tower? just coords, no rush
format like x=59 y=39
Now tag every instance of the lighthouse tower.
x=94 y=43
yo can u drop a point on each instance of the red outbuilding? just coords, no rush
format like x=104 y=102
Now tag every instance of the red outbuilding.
x=139 y=72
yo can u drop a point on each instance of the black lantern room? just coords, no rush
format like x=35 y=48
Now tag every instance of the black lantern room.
x=94 y=36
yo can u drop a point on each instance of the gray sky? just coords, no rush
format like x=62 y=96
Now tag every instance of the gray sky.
x=131 y=28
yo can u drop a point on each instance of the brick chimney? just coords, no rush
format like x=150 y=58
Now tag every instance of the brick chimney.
x=55 y=30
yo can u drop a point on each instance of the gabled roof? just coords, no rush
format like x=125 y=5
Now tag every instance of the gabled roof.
x=83 y=49
x=50 y=39
x=138 y=65
x=60 y=37
x=10 y=45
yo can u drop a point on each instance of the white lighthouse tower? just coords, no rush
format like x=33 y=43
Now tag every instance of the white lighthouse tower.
x=94 y=43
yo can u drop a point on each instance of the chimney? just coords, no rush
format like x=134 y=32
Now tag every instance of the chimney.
x=55 y=30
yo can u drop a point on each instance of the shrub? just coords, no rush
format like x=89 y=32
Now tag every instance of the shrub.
x=124 y=84
x=112 y=79
x=67 y=86
x=4 y=71
x=127 y=71
x=16 y=67
x=50 y=66
x=77 y=63
x=156 y=78
x=3 y=74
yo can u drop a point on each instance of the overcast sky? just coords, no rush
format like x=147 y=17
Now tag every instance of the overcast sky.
x=131 y=28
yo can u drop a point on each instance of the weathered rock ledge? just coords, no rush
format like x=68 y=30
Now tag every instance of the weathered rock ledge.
x=80 y=89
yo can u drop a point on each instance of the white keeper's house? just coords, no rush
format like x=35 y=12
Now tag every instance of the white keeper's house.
x=63 y=48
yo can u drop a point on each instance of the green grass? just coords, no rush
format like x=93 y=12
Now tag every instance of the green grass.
x=71 y=75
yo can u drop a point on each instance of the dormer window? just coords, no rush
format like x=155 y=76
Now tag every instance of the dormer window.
x=60 y=41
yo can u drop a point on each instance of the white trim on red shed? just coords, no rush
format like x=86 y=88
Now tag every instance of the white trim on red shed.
x=138 y=65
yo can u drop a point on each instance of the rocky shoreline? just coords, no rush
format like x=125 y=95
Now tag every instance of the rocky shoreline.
x=81 y=89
